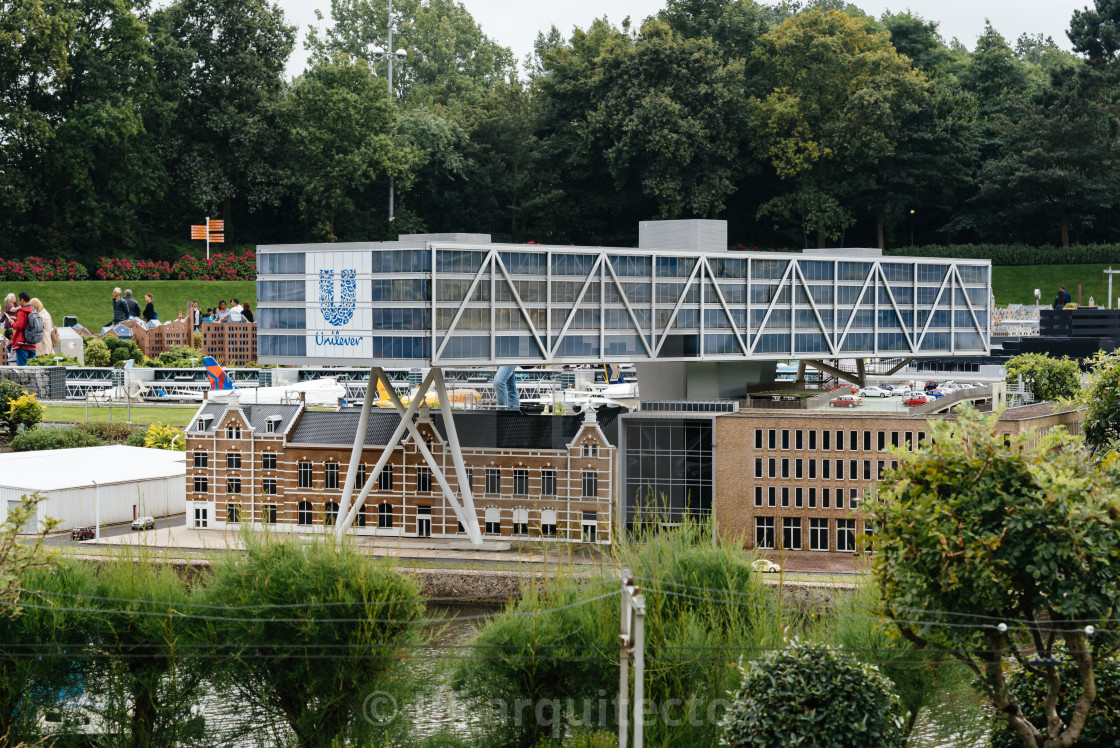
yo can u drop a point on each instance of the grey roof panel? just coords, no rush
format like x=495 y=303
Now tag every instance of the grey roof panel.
x=256 y=414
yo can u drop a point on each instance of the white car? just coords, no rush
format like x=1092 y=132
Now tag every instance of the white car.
x=875 y=392
x=144 y=523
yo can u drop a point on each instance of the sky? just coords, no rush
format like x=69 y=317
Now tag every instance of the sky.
x=515 y=23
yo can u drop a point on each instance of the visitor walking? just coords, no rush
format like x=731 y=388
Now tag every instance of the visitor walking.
x=505 y=388
x=196 y=315
x=120 y=308
x=149 y=313
x=51 y=339
x=132 y=304
x=28 y=329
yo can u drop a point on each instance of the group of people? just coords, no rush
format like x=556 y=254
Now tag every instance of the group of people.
x=28 y=329
x=236 y=311
x=1062 y=298
x=125 y=308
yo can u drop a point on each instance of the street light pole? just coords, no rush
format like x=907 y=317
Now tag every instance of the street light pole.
x=911 y=227
x=400 y=54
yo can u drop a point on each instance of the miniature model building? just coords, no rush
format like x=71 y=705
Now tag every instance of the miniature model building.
x=533 y=477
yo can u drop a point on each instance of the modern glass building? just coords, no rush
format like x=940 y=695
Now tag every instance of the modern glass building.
x=460 y=300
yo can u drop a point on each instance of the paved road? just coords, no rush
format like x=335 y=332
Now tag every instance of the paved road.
x=109 y=531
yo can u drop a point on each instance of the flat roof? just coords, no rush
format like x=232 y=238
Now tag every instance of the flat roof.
x=59 y=469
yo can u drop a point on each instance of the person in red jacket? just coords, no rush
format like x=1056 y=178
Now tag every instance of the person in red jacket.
x=24 y=351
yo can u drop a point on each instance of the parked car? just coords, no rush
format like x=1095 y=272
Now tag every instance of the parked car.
x=765 y=566
x=144 y=523
x=82 y=533
x=875 y=392
x=916 y=399
x=935 y=394
x=845 y=401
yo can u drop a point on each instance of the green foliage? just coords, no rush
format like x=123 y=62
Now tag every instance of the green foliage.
x=122 y=350
x=1018 y=528
x=1103 y=724
x=1050 y=379
x=96 y=351
x=52 y=438
x=330 y=599
x=49 y=360
x=813 y=695
x=25 y=411
x=160 y=436
x=9 y=393
x=17 y=555
x=179 y=357
x=1101 y=399
x=113 y=433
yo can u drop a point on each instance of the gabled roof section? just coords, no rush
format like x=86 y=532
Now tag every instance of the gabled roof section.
x=257 y=415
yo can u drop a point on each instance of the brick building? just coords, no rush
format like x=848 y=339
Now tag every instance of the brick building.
x=156 y=340
x=231 y=343
x=533 y=477
x=786 y=480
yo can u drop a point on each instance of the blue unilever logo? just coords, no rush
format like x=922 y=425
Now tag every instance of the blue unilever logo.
x=337 y=314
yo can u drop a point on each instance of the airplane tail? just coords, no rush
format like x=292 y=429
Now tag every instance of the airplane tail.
x=614 y=374
x=382 y=393
x=219 y=380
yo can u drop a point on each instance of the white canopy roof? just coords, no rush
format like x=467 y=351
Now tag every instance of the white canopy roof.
x=57 y=469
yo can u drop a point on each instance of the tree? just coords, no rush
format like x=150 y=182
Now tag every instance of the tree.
x=813 y=694
x=1048 y=378
x=838 y=96
x=312 y=630
x=341 y=134
x=17 y=557
x=992 y=546
x=1101 y=400
x=734 y=25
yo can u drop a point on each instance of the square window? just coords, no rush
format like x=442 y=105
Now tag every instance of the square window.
x=268 y=486
x=269 y=514
x=201 y=459
x=233 y=485
x=233 y=513
x=233 y=460
x=268 y=461
x=200 y=484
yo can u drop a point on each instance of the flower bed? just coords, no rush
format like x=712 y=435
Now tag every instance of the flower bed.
x=39 y=269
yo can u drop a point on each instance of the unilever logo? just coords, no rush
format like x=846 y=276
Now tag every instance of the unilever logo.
x=337 y=314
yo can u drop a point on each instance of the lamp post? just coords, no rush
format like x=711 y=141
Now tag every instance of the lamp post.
x=388 y=54
x=911 y=227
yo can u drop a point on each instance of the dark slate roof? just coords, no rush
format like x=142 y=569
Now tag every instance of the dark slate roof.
x=256 y=414
x=490 y=429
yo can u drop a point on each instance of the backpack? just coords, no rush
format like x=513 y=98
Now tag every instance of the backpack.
x=33 y=333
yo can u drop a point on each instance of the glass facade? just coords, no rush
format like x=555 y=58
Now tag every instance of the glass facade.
x=429 y=303
x=667 y=470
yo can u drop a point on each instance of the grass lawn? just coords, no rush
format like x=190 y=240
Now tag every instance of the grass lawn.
x=89 y=301
x=141 y=414
x=1015 y=284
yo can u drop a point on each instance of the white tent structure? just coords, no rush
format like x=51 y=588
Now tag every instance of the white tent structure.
x=120 y=483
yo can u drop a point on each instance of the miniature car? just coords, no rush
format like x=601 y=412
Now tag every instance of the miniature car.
x=875 y=392
x=845 y=401
x=144 y=523
x=82 y=533
x=915 y=399
x=765 y=566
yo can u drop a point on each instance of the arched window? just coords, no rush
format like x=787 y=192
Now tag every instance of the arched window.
x=385 y=515
x=493 y=520
x=330 y=513
x=548 y=523
x=520 y=521
x=303 y=513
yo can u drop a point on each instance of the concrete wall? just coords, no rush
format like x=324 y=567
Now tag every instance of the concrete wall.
x=77 y=507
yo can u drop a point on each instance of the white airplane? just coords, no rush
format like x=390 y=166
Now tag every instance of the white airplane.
x=325 y=392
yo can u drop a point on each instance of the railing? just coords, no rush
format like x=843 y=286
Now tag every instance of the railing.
x=948 y=401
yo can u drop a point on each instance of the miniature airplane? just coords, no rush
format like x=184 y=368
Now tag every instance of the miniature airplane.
x=458 y=398
x=325 y=392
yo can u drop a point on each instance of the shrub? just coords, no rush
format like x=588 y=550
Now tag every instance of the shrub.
x=97 y=352
x=55 y=360
x=40 y=438
x=160 y=436
x=38 y=269
x=813 y=695
x=1048 y=378
x=122 y=350
x=9 y=392
x=136 y=439
x=180 y=356
x=25 y=411
x=114 y=433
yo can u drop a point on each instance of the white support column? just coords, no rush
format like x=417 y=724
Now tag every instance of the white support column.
x=359 y=438
x=356 y=451
x=457 y=456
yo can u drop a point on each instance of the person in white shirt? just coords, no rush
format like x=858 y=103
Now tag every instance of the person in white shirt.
x=235 y=311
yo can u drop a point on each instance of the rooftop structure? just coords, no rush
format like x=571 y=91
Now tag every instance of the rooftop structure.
x=681 y=296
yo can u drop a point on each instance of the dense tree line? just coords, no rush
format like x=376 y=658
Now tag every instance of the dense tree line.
x=122 y=123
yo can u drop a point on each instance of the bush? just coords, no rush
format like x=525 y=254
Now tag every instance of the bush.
x=160 y=436
x=114 y=433
x=1017 y=254
x=9 y=392
x=137 y=439
x=55 y=360
x=38 y=269
x=40 y=438
x=1048 y=378
x=180 y=356
x=97 y=352
x=25 y=411
x=122 y=350
x=813 y=695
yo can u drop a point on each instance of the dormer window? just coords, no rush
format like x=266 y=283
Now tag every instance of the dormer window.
x=233 y=432
x=271 y=424
x=590 y=450
x=204 y=422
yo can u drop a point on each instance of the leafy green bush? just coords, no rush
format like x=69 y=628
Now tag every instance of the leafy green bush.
x=161 y=436
x=813 y=695
x=114 y=433
x=1101 y=398
x=9 y=392
x=39 y=438
x=180 y=356
x=1017 y=254
x=97 y=352
x=122 y=350
x=25 y=411
x=1103 y=724
x=56 y=360
x=138 y=438
x=1048 y=378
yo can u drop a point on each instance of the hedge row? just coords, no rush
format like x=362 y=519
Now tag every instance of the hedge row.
x=39 y=269
x=217 y=267
x=1018 y=254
